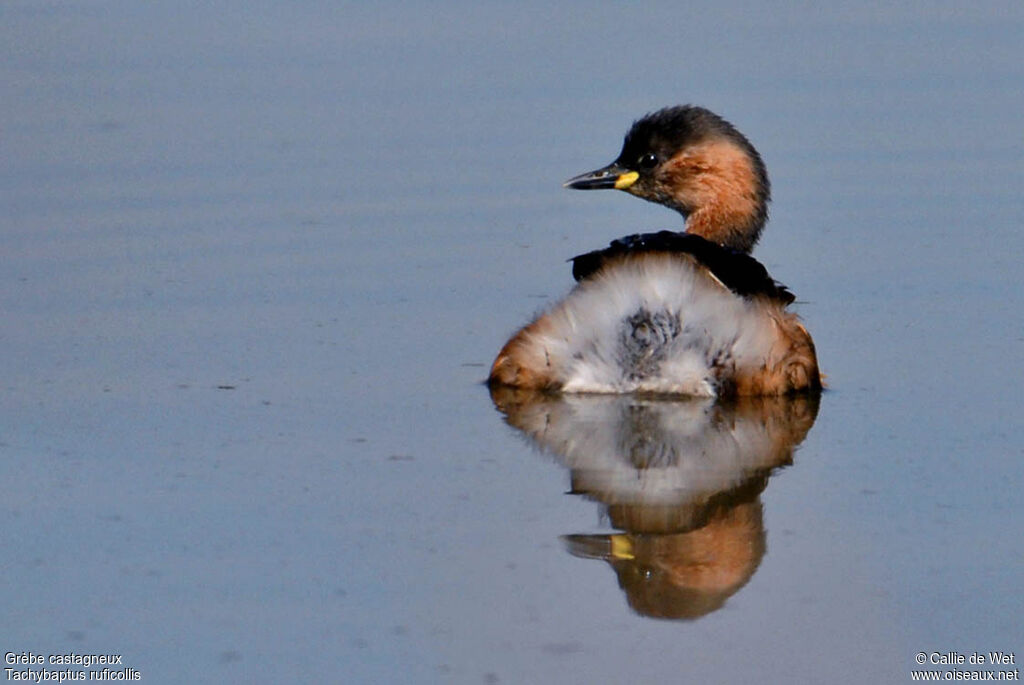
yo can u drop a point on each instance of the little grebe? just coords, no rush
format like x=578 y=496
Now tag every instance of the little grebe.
x=681 y=313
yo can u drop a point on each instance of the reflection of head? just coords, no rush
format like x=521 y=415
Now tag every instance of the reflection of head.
x=688 y=575
x=685 y=575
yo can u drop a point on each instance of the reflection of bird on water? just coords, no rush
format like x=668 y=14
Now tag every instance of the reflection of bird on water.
x=682 y=313
x=681 y=479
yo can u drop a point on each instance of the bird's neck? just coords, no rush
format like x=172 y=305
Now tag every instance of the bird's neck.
x=722 y=193
x=737 y=230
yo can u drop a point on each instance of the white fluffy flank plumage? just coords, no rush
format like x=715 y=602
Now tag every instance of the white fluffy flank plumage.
x=657 y=323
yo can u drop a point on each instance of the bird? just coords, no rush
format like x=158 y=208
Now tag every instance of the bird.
x=668 y=312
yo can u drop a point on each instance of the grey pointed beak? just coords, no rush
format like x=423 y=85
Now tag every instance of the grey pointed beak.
x=610 y=177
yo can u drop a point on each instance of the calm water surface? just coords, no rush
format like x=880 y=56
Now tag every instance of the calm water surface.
x=257 y=257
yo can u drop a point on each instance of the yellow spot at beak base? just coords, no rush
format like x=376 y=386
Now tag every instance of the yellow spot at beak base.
x=626 y=180
x=622 y=547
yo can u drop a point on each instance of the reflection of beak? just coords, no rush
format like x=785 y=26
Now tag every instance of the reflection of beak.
x=611 y=176
x=617 y=547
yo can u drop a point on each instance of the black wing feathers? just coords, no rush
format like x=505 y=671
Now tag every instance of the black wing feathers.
x=740 y=272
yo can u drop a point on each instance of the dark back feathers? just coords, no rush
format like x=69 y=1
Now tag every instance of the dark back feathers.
x=740 y=272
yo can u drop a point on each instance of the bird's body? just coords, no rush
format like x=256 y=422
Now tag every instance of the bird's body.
x=680 y=313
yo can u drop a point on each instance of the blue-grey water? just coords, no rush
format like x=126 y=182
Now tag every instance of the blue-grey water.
x=256 y=258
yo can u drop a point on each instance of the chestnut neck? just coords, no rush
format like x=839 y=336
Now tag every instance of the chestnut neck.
x=722 y=190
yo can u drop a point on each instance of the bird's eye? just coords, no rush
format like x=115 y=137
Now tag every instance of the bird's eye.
x=648 y=161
